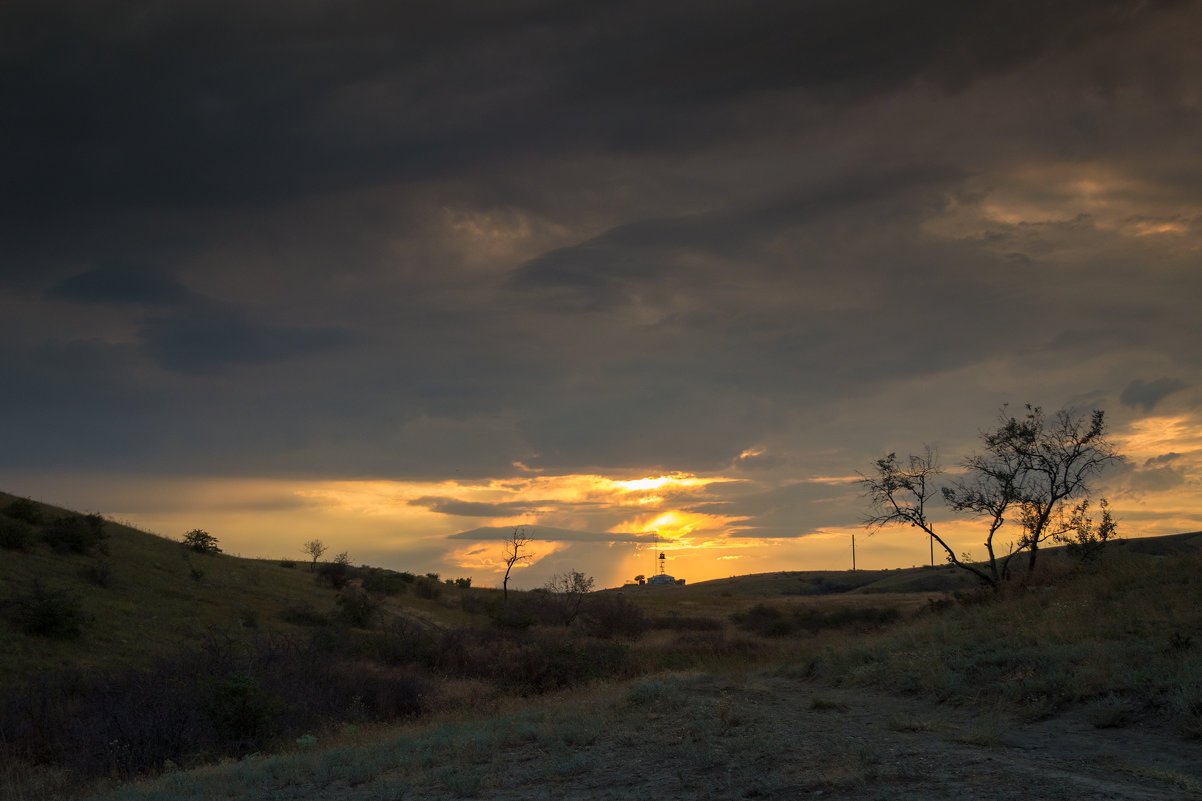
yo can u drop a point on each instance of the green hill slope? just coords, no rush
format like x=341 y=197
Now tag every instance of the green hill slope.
x=140 y=596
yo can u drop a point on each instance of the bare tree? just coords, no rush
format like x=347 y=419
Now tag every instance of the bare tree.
x=518 y=540
x=1029 y=469
x=568 y=590
x=314 y=548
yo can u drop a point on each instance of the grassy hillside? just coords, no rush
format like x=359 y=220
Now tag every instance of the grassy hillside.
x=1081 y=682
x=142 y=596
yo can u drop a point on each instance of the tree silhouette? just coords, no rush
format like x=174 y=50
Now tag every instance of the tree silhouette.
x=1028 y=471
x=519 y=539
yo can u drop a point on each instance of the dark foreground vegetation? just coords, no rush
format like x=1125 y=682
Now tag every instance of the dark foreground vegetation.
x=126 y=664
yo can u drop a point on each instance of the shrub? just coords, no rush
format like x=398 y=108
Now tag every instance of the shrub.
x=531 y=661
x=613 y=616
x=25 y=510
x=337 y=573
x=764 y=620
x=240 y=709
x=15 y=534
x=386 y=582
x=75 y=533
x=50 y=613
x=357 y=607
x=290 y=564
x=428 y=588
x=201 y=541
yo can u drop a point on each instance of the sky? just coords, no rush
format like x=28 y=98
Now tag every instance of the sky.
x=404 y=276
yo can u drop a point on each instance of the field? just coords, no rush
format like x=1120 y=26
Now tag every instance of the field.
x=1081 y=682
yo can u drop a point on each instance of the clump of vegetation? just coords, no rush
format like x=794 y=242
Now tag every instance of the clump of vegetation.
x=16 y=534
x=1093 y=637
x=75 y=533
x=25 y=510
x=769 y=621
x=337 y=573
x=201 y=541
x=357 y=607
x=46 y=612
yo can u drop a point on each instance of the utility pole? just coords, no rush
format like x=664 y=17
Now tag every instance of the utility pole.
x=853 y=553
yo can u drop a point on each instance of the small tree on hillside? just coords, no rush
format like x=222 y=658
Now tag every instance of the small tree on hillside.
x=1028 y=471
x=518 y=540
x=315 y=548
x=201 y=541
x=568 y=591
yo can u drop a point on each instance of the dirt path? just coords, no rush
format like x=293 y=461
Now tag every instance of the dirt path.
x=778 y=738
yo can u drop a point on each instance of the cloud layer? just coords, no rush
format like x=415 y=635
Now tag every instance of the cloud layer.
x=481 y=241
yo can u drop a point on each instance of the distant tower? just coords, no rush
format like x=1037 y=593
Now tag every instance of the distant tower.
x=662 y=558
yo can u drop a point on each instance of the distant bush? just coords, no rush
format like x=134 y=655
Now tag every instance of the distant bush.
x=75 y=533
x=386 y=582
x=45 y=612
x=201 y=541
x=357 y=607
x=767 y=621
x=531 y=661
x=337 y=573
x=25 y=510
x=290 y=564
x=428 y=588
x=609 y=615
x=16 y=534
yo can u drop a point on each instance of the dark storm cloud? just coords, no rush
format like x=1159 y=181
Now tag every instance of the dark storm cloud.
x=122 y=284
x=1147 y=394
x=372 y=238
x=207 y=339
x=135 y=105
